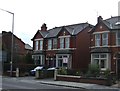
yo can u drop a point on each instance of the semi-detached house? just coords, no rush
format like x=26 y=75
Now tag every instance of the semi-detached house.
x=64 y=46
x=105 y=44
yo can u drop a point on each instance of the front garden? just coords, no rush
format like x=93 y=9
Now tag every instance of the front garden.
x=92 y=75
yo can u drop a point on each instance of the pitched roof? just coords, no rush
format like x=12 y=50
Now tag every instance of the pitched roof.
x=4 y=33
x=79 y=27
x=72 y=29
x=43 y=33
x=53 y=32
x=28 y=47
x=113 y=22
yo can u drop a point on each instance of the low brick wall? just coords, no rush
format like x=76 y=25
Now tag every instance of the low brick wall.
x=83 y=80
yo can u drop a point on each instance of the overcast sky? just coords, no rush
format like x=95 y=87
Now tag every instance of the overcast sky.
x=31 y=14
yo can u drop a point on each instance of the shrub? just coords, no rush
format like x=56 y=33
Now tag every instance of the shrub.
x=93 y=70
x=62 y=71
x=107 y=73
x=78 y=73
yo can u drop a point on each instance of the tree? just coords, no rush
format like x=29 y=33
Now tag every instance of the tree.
x=28 y=59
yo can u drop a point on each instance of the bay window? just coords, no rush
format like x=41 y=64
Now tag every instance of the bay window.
x=41 y=44
x=61 y=43
x=55 y=43
x=38 y=59
x=67 y=42
x=101 y=60
x=49 y=44
x=36 y=45
x=104 y=39
x=97 y=40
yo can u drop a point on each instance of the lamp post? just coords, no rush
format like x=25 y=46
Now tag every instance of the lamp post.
x=11 y=62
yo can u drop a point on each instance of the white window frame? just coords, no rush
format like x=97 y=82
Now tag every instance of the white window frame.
x=61 y=58
x=39 y=58
x=67 y=42
x=105 y=39
x=117 y=39
x=61 y=43
x=41 y=44
x=49 y=44
x=97 y=40
x=36 y=44
x=55 y=43
x=100 y=59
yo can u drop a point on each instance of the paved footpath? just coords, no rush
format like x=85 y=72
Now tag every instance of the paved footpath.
x=64 y=83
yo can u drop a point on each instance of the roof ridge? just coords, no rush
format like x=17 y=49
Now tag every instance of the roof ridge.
x=69 y=25
x=111 y=17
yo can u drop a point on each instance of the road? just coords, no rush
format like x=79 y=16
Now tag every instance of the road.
x=9 y=84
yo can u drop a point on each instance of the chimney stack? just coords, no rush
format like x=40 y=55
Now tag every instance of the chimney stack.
x=43 y=27
x=99 y=19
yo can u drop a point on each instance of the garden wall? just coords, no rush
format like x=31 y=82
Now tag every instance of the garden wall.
x=100 y=81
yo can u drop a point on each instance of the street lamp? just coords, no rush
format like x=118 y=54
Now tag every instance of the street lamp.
x=11 y=62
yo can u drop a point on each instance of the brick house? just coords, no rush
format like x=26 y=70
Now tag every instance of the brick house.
x=105 y=44
x=18 y=46
x=65 y=46
x=20 y=49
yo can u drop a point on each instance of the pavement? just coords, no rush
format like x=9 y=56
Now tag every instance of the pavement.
x=50 y=81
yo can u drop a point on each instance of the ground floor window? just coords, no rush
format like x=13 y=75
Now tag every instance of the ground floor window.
x=38 y=59
x=100 y=59
x=51 y=61
x=63 y=60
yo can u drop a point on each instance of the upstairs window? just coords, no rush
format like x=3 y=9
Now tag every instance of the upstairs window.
x=55 y=43
x=36 y=45
x=41 y=44
x=97 y=40
x=104 y=39
x=118 y=38
x=49 y=44
x=67 y=42
x=61 y=43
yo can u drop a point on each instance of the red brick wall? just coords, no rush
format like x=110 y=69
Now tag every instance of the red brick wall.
x=18 y=45
x=82 y=52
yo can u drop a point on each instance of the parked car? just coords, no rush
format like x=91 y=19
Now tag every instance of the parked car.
x=53 y=68
x=48 y=70
x=32 y=72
